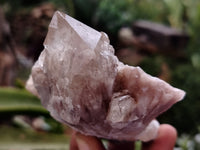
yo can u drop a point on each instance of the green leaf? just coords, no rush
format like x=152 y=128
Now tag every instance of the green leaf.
x=20 y=101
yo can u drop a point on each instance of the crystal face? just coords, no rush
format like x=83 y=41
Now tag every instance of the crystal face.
x=82 y=84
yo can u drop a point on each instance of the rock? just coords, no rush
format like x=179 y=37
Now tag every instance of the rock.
x=155 y=37
x=40 y=124
x=83 y=85
x=22 y=122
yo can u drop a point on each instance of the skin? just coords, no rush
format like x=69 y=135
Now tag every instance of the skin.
x=165 y=140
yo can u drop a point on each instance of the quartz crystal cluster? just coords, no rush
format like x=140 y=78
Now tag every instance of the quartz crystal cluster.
x=82 y=84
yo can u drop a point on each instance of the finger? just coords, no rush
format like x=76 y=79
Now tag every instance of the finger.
x=88 y=142
x=73 y=143
x=166 y=139
x=117 y=145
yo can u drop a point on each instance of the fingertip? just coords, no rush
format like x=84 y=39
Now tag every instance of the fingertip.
x=73 y=143
x=167 y=132
x=165 y=140
x=88 y=142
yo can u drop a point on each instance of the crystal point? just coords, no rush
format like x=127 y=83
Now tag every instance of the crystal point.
x=82 y=83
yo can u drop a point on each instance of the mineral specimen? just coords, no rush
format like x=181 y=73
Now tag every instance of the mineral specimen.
x=83 y=85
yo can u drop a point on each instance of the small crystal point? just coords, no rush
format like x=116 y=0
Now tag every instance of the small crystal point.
x=83 y=84
x=66 y=24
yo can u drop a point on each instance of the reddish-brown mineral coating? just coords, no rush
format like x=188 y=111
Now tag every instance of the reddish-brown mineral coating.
x=82 y=84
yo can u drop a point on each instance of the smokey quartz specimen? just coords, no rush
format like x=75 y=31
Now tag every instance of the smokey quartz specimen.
x=83 y=85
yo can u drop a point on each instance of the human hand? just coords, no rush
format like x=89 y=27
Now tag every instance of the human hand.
x=165 y=141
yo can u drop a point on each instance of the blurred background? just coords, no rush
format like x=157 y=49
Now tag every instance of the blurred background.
x=161 y=36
